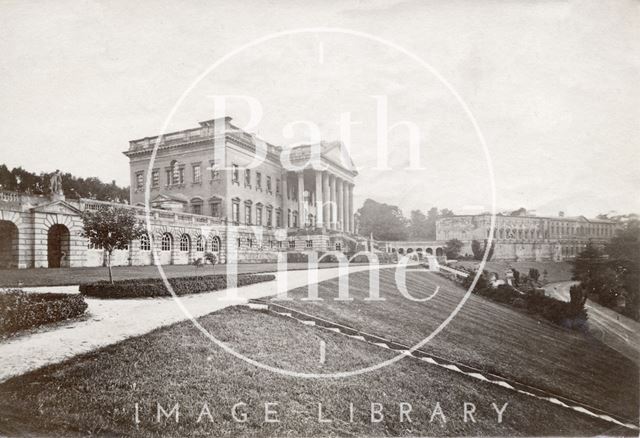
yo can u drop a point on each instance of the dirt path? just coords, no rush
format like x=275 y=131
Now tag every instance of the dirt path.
x=613 y=329
x=110 y=321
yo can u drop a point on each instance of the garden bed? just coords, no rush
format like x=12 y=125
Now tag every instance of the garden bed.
x=155 y=287
x=21 y=310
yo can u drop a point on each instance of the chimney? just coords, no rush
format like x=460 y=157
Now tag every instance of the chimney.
x=561 y=214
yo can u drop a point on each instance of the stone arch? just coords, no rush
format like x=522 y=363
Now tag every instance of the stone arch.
x=439 y=252
x=429 y=251
x=409 y=250
x=400 y=250
x=58 y=246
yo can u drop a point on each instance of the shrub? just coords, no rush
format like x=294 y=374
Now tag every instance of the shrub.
x=534 y=274
x=21 y=310
x=297 y=257
x=155 y=287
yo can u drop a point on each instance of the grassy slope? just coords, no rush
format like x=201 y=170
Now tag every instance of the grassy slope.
x=486 y=335
x=96 y=392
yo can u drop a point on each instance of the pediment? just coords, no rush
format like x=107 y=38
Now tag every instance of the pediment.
x=58 y=206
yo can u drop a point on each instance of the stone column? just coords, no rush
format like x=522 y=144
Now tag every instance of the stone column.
x=350 y=210
x=319 y=200
x=334 y=213
x=339 y=200
x=326 y=199
x=345 y=206
x=301 y=219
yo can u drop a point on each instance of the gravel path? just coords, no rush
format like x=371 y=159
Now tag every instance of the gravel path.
x=110 y=321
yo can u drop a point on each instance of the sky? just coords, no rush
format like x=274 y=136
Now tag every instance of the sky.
x=552 y=86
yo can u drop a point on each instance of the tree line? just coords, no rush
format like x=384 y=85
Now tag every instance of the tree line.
x=387 y=222
x=611 y=276
x=23 y=181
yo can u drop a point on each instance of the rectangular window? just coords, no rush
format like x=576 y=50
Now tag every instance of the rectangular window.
x=280 y=244
x=295 y=219
x=292 y=244
x=247 y=214
x=309 y=243
x=235 y=212
x=155 y=177
x=215 y=209
x=278 y=218
x=196 y=208
x=215 y=173
x=181 y=175
x=197 y=176
x=239 y=242
x=169 y=176
x=235 y=174
x=258 y=181
x=269 y=217
x=247 y=178
x=289 y=218
x=268 y=184
x=258 y=216
x=139 y=180
x=277 y=186
x=250 y=242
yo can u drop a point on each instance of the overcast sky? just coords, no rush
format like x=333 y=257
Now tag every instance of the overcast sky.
x=553 y=86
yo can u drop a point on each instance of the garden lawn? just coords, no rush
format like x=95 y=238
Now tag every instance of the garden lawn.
x=486 y=335
x=74 y=276
x=96 y=393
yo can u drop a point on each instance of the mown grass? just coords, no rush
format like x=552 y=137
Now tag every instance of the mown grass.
x=485 y=335
x=96 y=393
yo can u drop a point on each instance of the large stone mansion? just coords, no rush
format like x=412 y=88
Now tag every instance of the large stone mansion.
x=198 y=201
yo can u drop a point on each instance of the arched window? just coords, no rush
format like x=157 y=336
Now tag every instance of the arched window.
x=145 y=244
x=185 y=243
x=215 y=244
x=200 y=243
x=166 y=242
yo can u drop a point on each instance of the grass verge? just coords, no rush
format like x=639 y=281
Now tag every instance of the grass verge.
x=96 y=393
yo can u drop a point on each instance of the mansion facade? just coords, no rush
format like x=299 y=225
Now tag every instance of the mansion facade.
x=527 y=237
x=206 y=194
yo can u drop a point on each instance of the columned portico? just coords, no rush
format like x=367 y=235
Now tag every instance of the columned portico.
x=334 y=212
x=302 y=220
x=326 y=198
x=319 y=200
x=340 y=219
x=351 y=224
x=345 y=206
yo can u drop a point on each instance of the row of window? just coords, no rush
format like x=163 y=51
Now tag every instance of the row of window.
x=174 y=175
x=235 y=179
x=166 y=243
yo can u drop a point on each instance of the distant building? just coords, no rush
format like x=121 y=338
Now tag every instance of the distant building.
x=527 y=237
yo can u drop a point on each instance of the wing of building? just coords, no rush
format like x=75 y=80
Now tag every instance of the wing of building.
x=527 y=237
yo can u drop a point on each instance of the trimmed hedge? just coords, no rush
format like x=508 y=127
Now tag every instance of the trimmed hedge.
x=21 y=310
x=155 y=287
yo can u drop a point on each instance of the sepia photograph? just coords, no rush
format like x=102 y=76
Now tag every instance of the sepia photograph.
x=319 y=218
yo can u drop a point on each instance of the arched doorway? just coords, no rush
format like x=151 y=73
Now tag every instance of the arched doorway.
x=58 y=246
x=439 y=252
x=429 y=251
x=9 y=242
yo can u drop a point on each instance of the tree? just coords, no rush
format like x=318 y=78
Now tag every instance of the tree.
x=452 y=248
x=534 y=274
x=111 y=228
x=624 y=258
x=477 y=250
x=383 y=221
x=420 y=227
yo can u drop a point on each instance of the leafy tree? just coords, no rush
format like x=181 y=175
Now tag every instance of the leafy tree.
x=587 y=263
x=383 y=221
x=420 y=226
x=534 y=274
x=21 y=180
x=624 y=255
x=478 y=249
x=111 y=228
x=452 y=248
